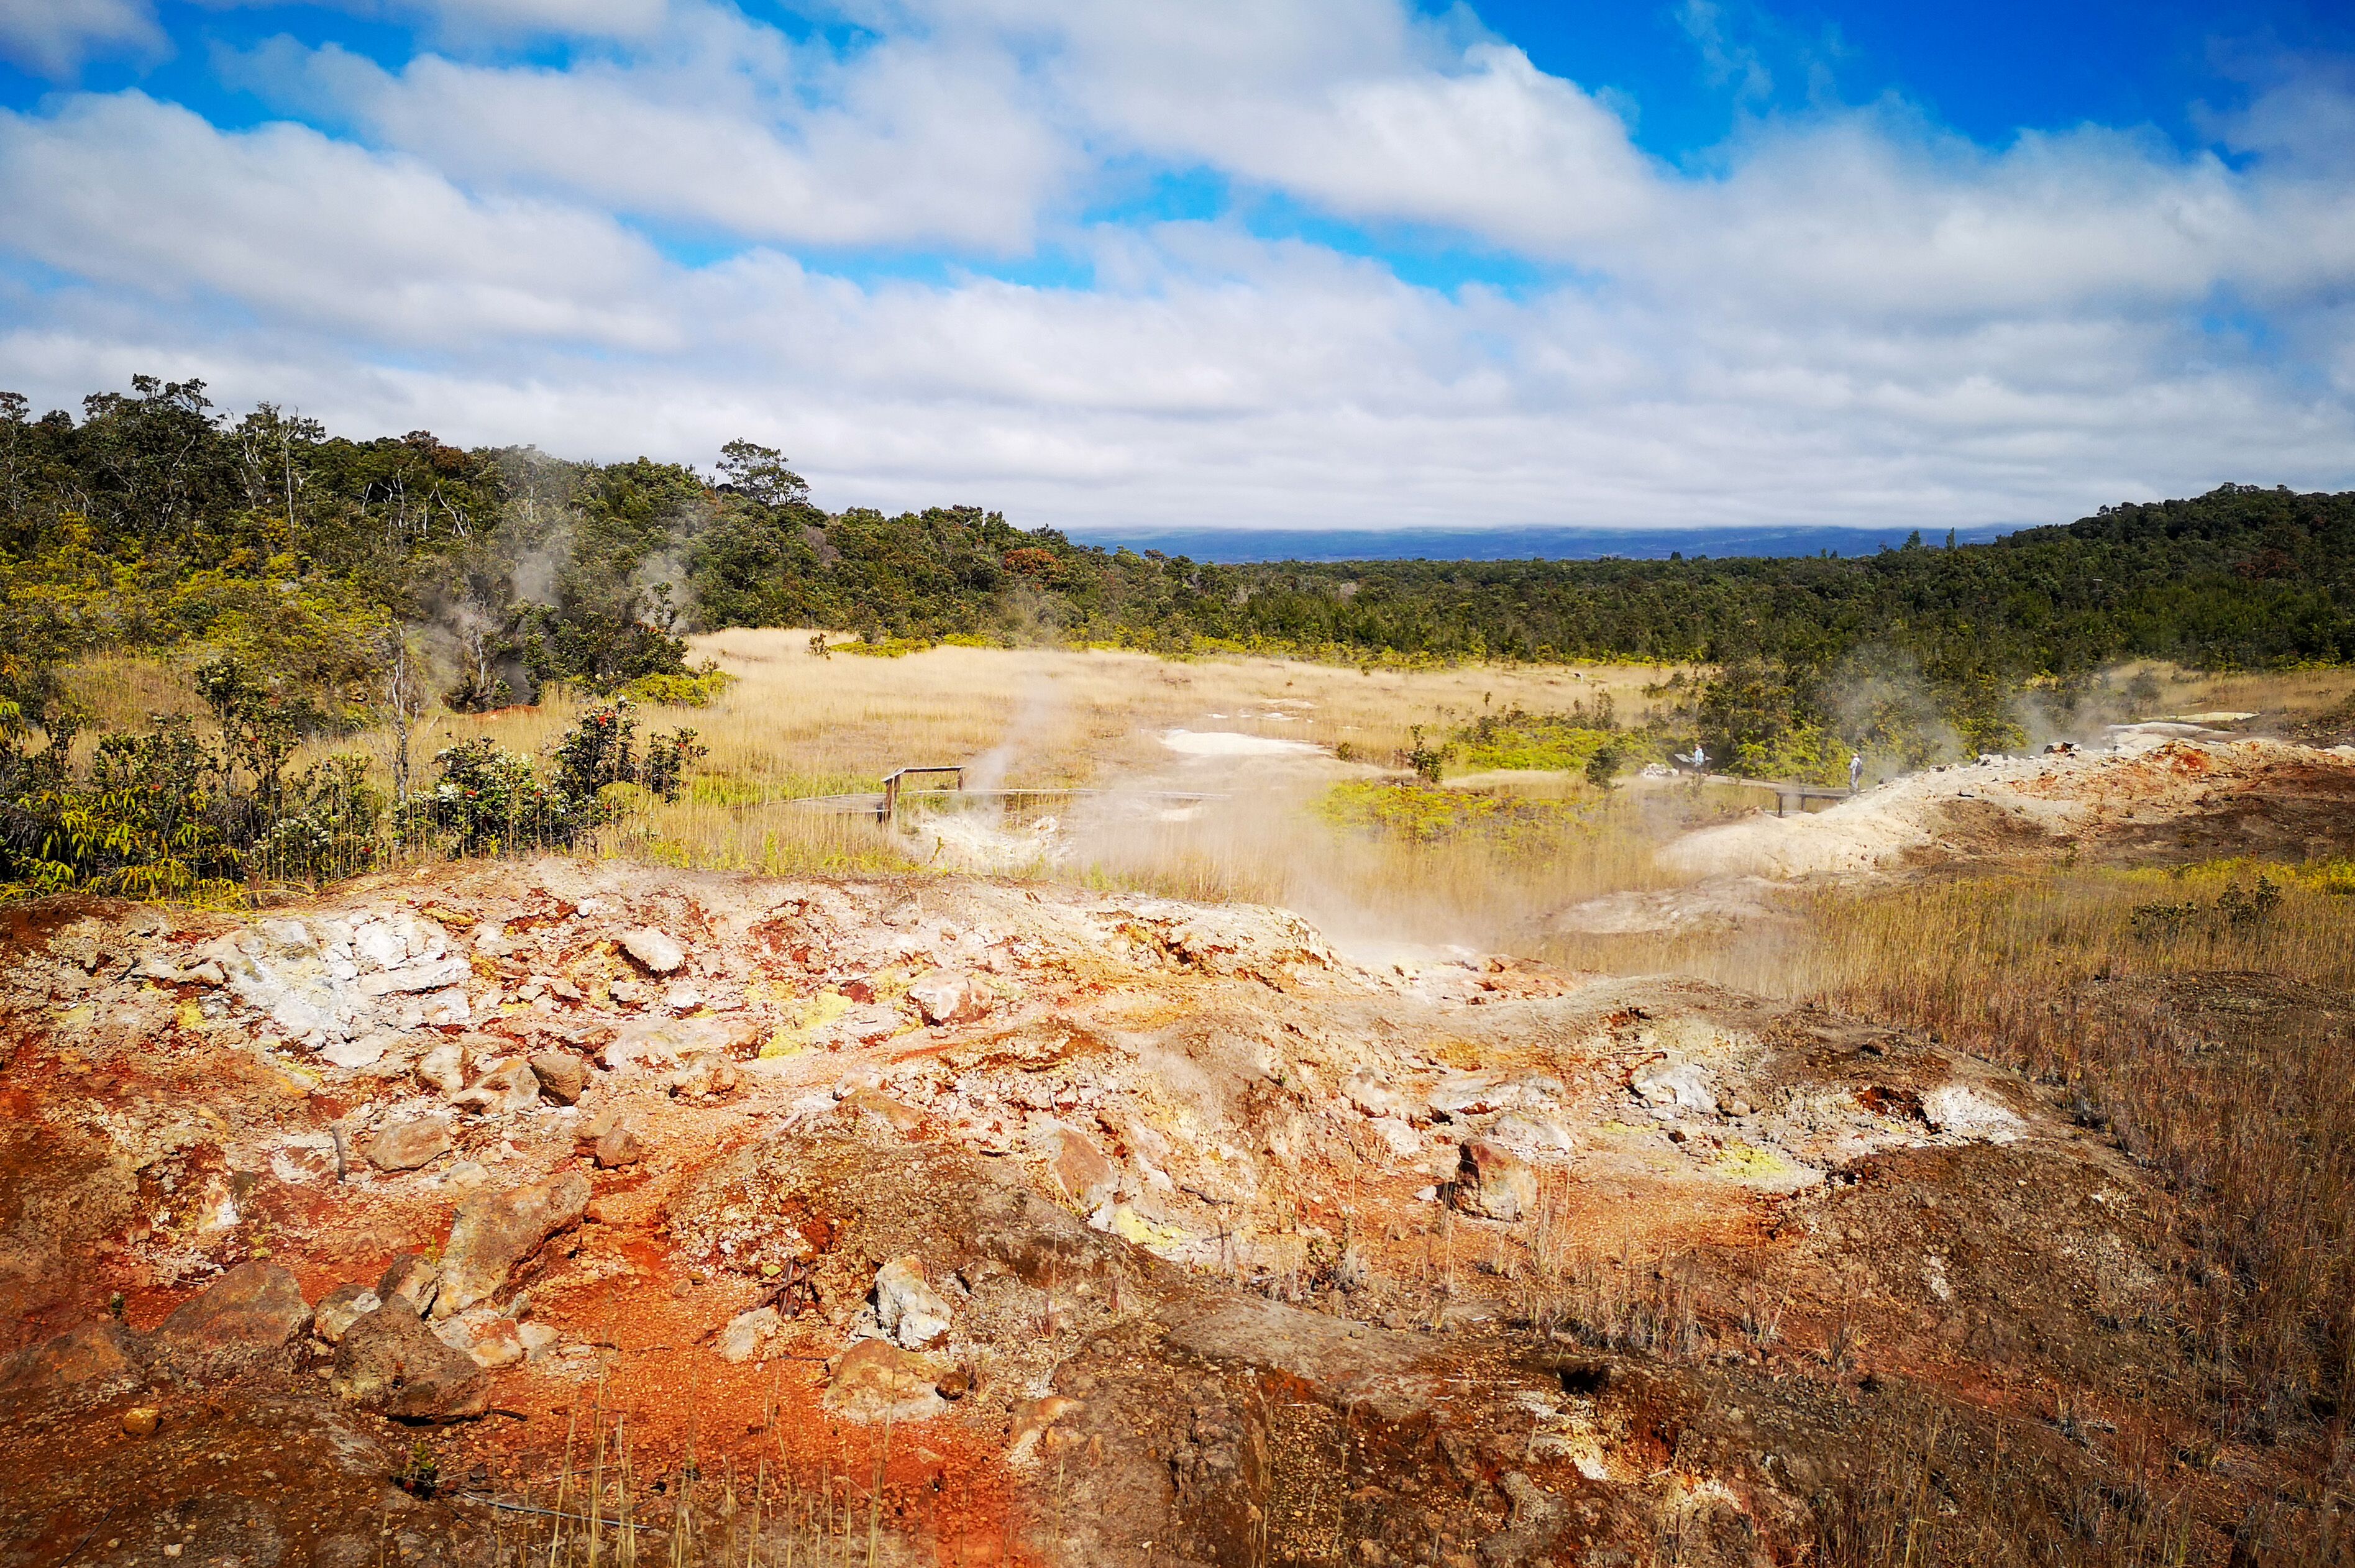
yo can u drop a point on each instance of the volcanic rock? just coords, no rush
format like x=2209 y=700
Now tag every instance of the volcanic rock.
x=94 y=1361
x=339 y=1309
x=1494 y=1180
x=945 y=996
x=749 y=1334
x=1087 y=1178
x=246 y=1314
x=656 y=952
x=411 y=1280
x=906 y=1305
x=390 y=1361
x=496 y=1231
x=561 y=1076
x=444 y=1066
x=876 y=1381
x=506 y=1086
x=405 y=1145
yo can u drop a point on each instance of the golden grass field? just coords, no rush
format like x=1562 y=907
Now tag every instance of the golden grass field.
x=796 y=725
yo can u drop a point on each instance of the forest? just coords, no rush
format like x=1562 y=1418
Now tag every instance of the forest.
x=328 y=582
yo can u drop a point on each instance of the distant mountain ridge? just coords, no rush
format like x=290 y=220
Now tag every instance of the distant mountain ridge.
x=1238 y=546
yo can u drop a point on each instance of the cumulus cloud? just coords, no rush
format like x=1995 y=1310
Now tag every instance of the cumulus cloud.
x=486 y=21
x=53 y=37
x=149 y=198
x=899 y=147
x=1850 y=316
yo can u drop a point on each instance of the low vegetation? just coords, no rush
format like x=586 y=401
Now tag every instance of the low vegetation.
x=2198 y=1013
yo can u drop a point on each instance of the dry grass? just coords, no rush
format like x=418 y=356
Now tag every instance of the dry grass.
x=796 y=725
x=2219 y=1051
x=2292 y=694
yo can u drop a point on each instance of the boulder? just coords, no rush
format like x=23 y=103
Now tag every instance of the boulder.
x=1681 y=1084
x=497 y=1231
x=561 y=1076
x=875 y=1381
x=1492 y=1180
x=411 y=1280
x=444 y=1066
x=1531 y=1132
x=390 y=1362
x=653 y=950
x=247 y=1314
x=749 y=1334
x=435 y=974
x=354 y=1055
x=1087 y=1178
x=339 y=1309
x=503 y=1087
x=705 y=1077
x=945 y=996
x=618 y=1146
x=906 y=1305
x=94 y=1361
x=405 y=1145
x=881 y=1107
x=666 y=1042
x=498 y=1343
x=1371 y=1095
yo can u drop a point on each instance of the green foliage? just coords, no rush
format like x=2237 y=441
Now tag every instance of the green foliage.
x=696 y=689
x=601 y=748
x=155 y=522
x=420 y=1475
x=1557 y=742
x=173 y=814
x=1423 y=813
x=491 y=800
x=1425 y=758
x=2233 y=911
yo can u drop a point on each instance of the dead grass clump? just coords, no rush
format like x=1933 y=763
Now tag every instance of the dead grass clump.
x=1931 y=1491
x=2218 y=1046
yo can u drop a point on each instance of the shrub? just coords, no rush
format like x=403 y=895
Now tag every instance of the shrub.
x=170 y=813
x=491 y=800
x=696 y=689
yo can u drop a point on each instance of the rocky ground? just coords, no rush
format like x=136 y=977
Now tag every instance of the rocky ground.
x=944 y=1221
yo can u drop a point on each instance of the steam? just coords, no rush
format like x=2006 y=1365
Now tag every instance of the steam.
x=1040 y=703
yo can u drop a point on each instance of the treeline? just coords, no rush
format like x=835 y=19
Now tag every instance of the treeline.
x=152 y=520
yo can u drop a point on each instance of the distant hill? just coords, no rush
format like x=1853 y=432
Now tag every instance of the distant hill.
x=1239 y=546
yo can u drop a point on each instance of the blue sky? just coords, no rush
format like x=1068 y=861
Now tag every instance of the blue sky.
x=1283 y=263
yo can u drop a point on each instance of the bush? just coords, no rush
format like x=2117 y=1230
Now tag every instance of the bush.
x=1424 y=758
x=170 y=813
x=491 y=800
x=696 y=689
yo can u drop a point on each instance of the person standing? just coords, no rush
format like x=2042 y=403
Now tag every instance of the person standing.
x=1855 y=771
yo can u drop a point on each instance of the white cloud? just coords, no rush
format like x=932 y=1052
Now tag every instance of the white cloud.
x=1850 y=317
x=148 y=197
x=490 y=21
x=895 y=148
x=53 y=37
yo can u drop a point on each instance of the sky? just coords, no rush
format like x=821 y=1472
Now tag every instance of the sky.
x=1280 y=264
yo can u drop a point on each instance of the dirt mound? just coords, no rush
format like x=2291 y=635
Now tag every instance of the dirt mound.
x=1049 y=1227
x=2147 y=791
